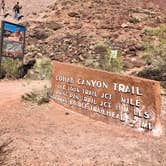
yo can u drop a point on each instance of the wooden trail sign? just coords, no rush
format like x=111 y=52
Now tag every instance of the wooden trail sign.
x=107 y=96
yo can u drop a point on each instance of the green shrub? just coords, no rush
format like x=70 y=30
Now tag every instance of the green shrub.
x=155 y=54
x=11 y=67
x=134 y=20
x=154 y=44
x=104 y=60
x=38 y=97
x=158 y=31
x=41 y=69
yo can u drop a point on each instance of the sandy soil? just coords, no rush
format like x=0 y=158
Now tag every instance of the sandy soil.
x=34 y=7
x=50 y=135
x=160 y=3
x=30 y=9
x=29 y=6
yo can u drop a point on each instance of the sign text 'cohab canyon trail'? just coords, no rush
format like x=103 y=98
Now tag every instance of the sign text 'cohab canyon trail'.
x=107 y=96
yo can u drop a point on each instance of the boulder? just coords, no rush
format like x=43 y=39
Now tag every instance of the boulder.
x=74 y=14
x=39 y=33
x=53 y=25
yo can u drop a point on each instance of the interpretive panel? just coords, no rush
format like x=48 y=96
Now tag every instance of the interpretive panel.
x=12 y=40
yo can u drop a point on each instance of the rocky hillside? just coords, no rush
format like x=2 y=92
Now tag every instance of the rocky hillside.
x=74 y=28
x=84 y=31
x=28 y=6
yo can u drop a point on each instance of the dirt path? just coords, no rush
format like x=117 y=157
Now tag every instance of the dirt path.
x=49 y=135
x=30 y=9
x=10 y=91
x=29 y=6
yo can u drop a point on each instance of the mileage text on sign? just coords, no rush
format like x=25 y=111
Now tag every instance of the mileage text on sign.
x=107 y=96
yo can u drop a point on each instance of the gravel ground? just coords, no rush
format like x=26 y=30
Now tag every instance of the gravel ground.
x=50 y=135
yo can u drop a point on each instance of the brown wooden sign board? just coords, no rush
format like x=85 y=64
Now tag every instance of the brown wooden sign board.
x=107 y=96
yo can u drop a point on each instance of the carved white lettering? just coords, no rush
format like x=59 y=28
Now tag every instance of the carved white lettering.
x=130 y=101
x=92 y=83
x=146 y=115
x=105 y=104
x=106 y=96
x=89 y=100
x=89 y=92
x=127 y=89
x=62 y=78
